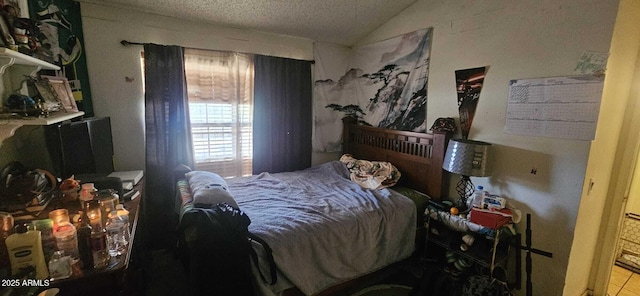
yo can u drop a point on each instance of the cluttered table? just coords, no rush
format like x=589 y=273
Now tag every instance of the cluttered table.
x=111 y=279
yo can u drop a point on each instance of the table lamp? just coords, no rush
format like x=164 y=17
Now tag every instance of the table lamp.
x=467 y=158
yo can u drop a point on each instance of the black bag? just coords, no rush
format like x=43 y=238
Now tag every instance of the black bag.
x=478 y=285
x=19 y=186
x=219 y=254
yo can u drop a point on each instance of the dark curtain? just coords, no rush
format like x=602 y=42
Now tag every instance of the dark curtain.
x=167 y=137
x=282 y=115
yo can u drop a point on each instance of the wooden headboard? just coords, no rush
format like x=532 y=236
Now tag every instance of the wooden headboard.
x=418 y=156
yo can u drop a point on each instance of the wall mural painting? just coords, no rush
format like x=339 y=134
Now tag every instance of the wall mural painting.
x=384 y=85
x=468 y=85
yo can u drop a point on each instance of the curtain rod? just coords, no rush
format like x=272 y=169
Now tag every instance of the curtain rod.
x=127 y=43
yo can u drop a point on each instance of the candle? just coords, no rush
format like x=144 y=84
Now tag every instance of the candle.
x=95 y=218
x=60 y=217
x=6 y=222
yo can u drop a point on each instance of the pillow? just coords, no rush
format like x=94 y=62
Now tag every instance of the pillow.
x=209 y=188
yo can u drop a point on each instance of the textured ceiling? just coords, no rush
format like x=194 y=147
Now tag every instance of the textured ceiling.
x=341 y=22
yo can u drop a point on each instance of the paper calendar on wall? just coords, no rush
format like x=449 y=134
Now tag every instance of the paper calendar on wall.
x=558 y=107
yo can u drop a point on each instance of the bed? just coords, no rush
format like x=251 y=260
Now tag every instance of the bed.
x=327 y=231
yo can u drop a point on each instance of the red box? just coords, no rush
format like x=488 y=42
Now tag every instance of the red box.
x=489 y=219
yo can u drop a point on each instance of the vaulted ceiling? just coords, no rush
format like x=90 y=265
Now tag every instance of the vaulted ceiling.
x=341 y=22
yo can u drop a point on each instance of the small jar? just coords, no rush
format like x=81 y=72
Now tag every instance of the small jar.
x=67 y=240
x=88 y=192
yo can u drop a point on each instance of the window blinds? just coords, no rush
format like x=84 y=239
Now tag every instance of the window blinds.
x=220 y=89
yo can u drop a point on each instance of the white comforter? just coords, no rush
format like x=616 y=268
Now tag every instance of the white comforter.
x=323 y=228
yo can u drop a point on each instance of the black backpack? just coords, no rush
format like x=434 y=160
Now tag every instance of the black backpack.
x=219 y=251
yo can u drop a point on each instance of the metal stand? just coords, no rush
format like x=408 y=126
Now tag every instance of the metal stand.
x=530 y=250
x=465 y=189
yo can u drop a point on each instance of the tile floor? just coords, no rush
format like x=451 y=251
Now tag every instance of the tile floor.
x=623 y=282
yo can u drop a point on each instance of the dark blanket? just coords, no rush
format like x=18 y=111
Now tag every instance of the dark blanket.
x=218 y=260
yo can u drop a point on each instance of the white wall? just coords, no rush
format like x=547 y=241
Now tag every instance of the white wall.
x=517 y=39
x=109 y=63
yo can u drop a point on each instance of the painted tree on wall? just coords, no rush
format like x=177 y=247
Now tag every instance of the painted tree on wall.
x=353 y=111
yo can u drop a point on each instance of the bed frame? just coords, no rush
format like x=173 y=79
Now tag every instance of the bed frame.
x=418 y=156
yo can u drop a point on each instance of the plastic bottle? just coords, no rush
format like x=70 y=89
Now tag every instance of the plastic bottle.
x=122 y=212
x=45 y=226
x=25 y=251
x=117 y=232
x=478 y=195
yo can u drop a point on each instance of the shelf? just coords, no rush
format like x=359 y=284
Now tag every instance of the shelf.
x=8 y=126
x=16 y=58
x=480 y=252
x=14 y=66
x=54 y=117
x=488 y=250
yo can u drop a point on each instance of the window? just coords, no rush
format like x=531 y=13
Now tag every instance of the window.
x=220 y=91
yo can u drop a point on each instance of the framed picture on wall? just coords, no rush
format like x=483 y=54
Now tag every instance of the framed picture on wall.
x=46 y=100
x=62 y=91
x=49 y=99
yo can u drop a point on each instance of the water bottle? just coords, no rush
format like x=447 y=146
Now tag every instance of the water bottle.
x=117 y=230
x=124 y=215
x=477 y=197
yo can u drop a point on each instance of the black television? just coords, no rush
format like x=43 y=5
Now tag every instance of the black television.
x=81 y=148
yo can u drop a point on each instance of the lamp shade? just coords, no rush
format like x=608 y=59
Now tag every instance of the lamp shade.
x=467 y=158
